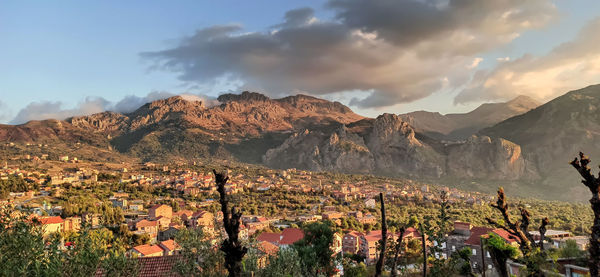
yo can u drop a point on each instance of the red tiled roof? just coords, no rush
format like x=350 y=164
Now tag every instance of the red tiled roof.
x=268 y=248
x=291 y=235
x=146 y=249
x=476 y=233
x=288 y=236
x=51 y=220
x=169 y=245
x=152 y=266
x=270 y=237
x=146 y=223
x=505 y=235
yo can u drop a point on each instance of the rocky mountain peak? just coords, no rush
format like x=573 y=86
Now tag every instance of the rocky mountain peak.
x=244 y=96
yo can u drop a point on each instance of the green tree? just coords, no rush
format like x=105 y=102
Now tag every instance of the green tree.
x=314 y=249
x=500 y=251
x=199 y=256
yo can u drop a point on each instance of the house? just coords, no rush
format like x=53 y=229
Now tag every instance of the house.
x=170 y=232
x=287 y=237
x=72 y=224
x=51 y=224
x=147 y=250
x=332 y=215
x=370 y=203
x=351 y=242
x=163 y=222
x=160 y=210
x=121 y=203
x=265 y=250
x=147 y=226
x=170 y=247
x=202 y=219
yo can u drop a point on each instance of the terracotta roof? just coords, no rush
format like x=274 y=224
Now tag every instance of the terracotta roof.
x=476 y=233
x=505 y=235
x=288 y=236
x=270 y=237
x=146 y=249
x=152 y=266
x=268 y=248
x=51 y=220
x=291 y=235
x=146 y=223
x=169 y=245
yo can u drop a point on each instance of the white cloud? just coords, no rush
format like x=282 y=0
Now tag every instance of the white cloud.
x=569 y=66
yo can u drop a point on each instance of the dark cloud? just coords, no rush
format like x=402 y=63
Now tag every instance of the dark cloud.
x=391 y=51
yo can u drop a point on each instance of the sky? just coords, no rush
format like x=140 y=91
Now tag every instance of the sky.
x=67 y=58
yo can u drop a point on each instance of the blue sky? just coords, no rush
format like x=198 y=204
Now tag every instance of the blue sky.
x=65 y=51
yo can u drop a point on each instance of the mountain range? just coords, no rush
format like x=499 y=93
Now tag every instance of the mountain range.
x=519 y=144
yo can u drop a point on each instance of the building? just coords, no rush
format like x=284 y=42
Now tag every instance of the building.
x=170 y=247
x=351 y=242
x=51 y=224
x=287 y=237
x=147 y=250
x=201 y=219
x=160 y=210
x=72 y=224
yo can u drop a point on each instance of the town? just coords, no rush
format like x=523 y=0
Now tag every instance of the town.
x=151 y=203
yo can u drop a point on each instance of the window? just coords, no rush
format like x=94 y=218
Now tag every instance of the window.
x=474 y=251
x=487 y=254
x=453 y=247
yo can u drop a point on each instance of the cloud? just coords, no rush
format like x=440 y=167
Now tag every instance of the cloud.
x=4 y=112
x=55 y=110
x=569 y=66
x=390 y=51
x=90 y=105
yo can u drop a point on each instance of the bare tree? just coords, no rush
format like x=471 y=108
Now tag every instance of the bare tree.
x=232 y=247
x=381 y=260
x=397 y=252
x=517 y=228
x=593 y=184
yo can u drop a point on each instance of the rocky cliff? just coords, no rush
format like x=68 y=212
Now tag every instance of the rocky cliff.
x=388 y=145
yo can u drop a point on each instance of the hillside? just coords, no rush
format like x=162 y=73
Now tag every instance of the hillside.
x=461 y=126
x=552 y=134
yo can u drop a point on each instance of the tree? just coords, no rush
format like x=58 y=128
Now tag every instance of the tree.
x=231 y=246
x=23 y=249
x=500 y=251
x=198 y=254
x=534 y=255
x=315 y=249
x=571 y=250
x=381 y=260
x=593 y=184
x=285 y=263
x=517 y=228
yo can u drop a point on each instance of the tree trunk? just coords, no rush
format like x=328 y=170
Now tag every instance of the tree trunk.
x=232 y=247
x=424 y=250
x=397 y=253
x=593 y=184
x=381 y=260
